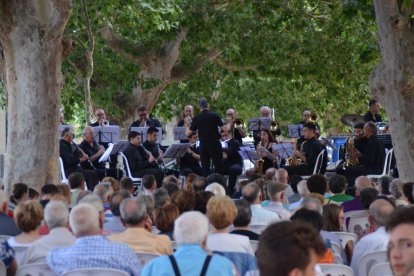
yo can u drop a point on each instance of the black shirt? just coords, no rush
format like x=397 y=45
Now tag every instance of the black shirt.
x=360 y=143
x=152 y=147
x=250 y=234
x=188 y=161
x=137 y=159
x=373 y=155
x=233 y=156
x=368 y=117
x=92 y=150
x=312 y=148
x=207 y=123
x=150 y=123
x=70 y=161
x=96 y=124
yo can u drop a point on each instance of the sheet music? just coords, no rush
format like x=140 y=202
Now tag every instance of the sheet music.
x=107 y=134
x=179 y=133
x=284 y=150
x=295 y=131
x=176 y=150
x=107 y=153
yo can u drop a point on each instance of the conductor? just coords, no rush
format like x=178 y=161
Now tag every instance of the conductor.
x=208 y=123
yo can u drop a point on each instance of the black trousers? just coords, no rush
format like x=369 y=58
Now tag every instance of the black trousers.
x=187 y=170
x=91 y=178
x=211 y=151
x=353 y=172
x=232 y=171
x=301 y=169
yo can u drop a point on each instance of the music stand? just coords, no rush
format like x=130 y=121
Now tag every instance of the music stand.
x=106 y=134
x=285 y=150
x=295 y=130
x=176 y=150
x=179 y=133
x=119 y=147
x=143 y=131
x=259 y=123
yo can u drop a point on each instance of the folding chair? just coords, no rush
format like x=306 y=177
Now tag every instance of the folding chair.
x=336 y=270
x=368 y=261
x=345 y=237
x=137 y=181
x=41 y=269
x=318 y=165
x=381 y=269
x=63 y=177
x=386 y=168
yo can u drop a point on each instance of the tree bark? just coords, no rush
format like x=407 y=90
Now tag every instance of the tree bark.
x=31 y=36
x=393 y=79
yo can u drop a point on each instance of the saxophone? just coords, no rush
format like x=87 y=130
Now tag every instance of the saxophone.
x=258 y=166
x=294 y=160
x=350 y=158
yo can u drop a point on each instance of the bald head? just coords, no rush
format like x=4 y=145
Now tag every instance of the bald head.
x=84 y=220
x=361 y=183
x=282 y=176
x=265 y=111
x=379 y=211
x=251 y=193
x=270 y=174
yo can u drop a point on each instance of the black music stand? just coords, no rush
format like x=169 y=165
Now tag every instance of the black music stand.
x=295 y=130
x=259 y=123
x=176 y=150
x=106 y=134
x=143 y=131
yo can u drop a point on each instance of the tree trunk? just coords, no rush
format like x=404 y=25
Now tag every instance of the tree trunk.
x=31 y=36
x=393 y=79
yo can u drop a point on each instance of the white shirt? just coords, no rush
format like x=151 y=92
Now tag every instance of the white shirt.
x=57 y=237
x=277 y=207
x=261 y=216
x=229 y=242
x=370 y=243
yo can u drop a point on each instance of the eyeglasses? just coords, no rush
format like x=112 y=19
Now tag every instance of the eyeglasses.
x=100 y=114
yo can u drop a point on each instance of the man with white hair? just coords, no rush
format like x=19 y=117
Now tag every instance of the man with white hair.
x=251 y=193
x=282 y=176
x=190 y=257
x=216 y=189
x=91 y=249
x=134 y=215
x=361 y=183
x=56 y=217
x=302 y=191
x=275 y=191
x=7 y=225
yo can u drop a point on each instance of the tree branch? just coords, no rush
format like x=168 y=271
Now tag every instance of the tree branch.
x=231 y=67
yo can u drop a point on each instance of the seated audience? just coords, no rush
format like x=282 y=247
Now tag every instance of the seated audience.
x=126 y=184
x=199 y=184
x=184 y=201
x=251 y=193
x=337 y=186
x=20 y=193
x=289 y=248
x=368 y=196
x=113 y=181
x=216 y=178
x=56 y=217
x=201 y=199
x=379 y=211
x=91 y=249
x=33 y=194
x=149 y=185
x=7 y=257
x=242 y=220
x=408 y=191
x=171 y=188
x=149 y=205
x=64 y=192
x=46 y=193
x=7 y=225
x=293 y=183
x=77 y=184
x=104 y=192
x=276 y=193
x=221 y=212
x=96 y=202
x=303 y=191
x=400 y=227
x=216 y=188
x=134 y=215
x=164 y=219
x=282 y=176
x=160 y=197
x=190 y=257
x=115 y=225
x=189 y=179
x=317 y=184
x=397 y=192
x=384 y=185
x=171 y=179
x=361 y=183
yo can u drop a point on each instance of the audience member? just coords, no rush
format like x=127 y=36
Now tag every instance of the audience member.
x=293 y=183
x=361 y=183
x=384 y=185
x=171 y=188
x=201 y=199
x=189 y=179
x=289 y=248
x=270 y=174
x=46 y=193
x=7 y=225
x=408 y=191
x=134 y=214
x=96 y=202
x=126 y=184
x=56 y=217
x=379 y=211
x=20 y=193
x=7 y=258
x=368 y=196
x=64 y=192
x=199 y=184
x=184 y=201
x=216 y=178
x=276 y=192
x=282 y=176
x=216 y=188
x=115 y=225
x=337 y=186
x=149 y=184
x=400 y=227
x=190 y=257
x=113 y=181
x=317 y=184
x=149 y=205
x=164 y=219
x=33 y=194
x=161 y=197
x=242 y=220
x=170 y=179
x=239 y=187
x=77 y=184
x=221 y=212
x=397 y=192
x=91 y=249
x=251 y=193
x=313 y=202
x=302 y=191
x=104 y=192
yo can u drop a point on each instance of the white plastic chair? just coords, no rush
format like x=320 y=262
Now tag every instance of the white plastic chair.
x=345 y=237
x=381 y=269
x=137 y=181
x=20 y=253
x=63 y=177
x=336 y=248
x=3 y=269
x=336 y=270
x=34 y=270
x=338 y=259
x=96 y=271
x=4 y=237
x=145 y=258
x=353 y=215
x=318 y=165
x=358 y=224
x=368 y=260
x=254 y=244
x=386 y=168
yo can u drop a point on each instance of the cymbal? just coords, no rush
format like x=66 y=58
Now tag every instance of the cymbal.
x=352 y=119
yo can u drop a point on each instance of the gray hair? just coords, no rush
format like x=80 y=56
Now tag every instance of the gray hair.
x=312 y=203
x=133 y=211
x=84 y=219
x=380 y=210
x=56 y=214
x=303 y=188
x=362 y=182
x=216 y=189
x=93 y=200
x=396 y=187
x=102 y=190
x=265 y=108
x=161 y=197
x=185 y=225
x=282 y=176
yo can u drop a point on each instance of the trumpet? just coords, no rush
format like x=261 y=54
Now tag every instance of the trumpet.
x=314 y=117
x=273 y=125
x=238 y=123
x=105 y=123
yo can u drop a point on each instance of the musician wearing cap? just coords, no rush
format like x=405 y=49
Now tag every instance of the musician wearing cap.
x=373 y=114
x=91 y=148
x=305 y=158
x=189 y=163
x=232 y=161
x=100 y=119
x=144 y=120
x=236 y=125
x=371 y=159
x=151 y=144
x=140 y=160
x=207 y=124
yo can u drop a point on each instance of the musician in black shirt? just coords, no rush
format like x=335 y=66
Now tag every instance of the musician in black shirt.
x=373 y=114
x=208 y=123
x=140 y=161
x=311 y=149
x=144 y=120
x=238 y=132
x=152 y=146
x=189 y=163
x=100 y=119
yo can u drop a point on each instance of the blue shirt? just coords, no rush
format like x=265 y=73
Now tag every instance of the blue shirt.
x=190 y=259
x=93 y=252
x=6 y=253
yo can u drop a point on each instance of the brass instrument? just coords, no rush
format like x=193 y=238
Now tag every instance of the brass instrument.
x=238 y=123
x=314 y=117
x=294 y=160
x=273 y=125
x=105 y=123
x=258 y=166
x=350 y=157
